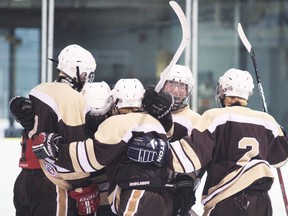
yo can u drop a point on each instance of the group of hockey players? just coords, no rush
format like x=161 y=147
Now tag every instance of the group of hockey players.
x=88 y=148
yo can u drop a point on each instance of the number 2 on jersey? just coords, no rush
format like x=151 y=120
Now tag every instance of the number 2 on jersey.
x=243 y=144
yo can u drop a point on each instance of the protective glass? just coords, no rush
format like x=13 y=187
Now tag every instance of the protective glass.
x=87 y=78
x=219 y=95
x=177 y=89
x=91 y=77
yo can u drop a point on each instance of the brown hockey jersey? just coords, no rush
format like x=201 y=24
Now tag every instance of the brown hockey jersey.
x=238 y=145
x=59 y=109
x=109 y=147
x=110 y=140
x=184 y=120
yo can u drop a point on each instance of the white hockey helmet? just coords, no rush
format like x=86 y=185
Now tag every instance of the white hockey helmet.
x=236 y=83
x=75 y=59
x=128 y=93
x=183 y=75
x=98 y=96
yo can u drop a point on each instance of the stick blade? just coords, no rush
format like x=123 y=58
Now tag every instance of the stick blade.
x=243 y=38
x=185 y=39
x=183 y=20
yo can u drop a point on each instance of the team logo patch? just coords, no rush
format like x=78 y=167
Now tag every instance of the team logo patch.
x=50 y=169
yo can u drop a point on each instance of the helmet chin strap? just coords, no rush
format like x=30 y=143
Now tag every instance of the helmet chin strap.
x=179 y=104
x=65 y=79
x=222 y=103
x=77 y=85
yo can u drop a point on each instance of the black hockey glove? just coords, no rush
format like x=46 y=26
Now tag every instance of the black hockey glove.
x=157 y=104
x=183 y=195
x=46 y=145
x=146 y=150
x=22 y=110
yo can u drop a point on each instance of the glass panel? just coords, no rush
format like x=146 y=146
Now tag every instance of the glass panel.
x=138 y=39
x=20 y=68
x=27 y=60
x=265 y=24
x=4 y=72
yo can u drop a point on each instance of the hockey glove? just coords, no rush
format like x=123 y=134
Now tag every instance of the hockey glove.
x=146 y=150
x=183 y=195
x=157 y=104
x=22 y=110
x=87 y=198
x=46 y=145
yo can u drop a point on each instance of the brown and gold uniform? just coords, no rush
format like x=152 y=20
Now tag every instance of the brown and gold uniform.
x=60 y=109
x=135 y=188
x=184 y=121
x=238 y=145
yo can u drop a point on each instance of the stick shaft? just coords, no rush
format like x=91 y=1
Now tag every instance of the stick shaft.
x=251 y=52
x=260 y=87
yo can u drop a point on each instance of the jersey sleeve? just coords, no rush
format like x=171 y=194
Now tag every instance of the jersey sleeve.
x=277 y=152
x=109 y=141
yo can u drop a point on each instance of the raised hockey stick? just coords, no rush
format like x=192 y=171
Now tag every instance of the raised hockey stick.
x=250 y=50
x=185 y=38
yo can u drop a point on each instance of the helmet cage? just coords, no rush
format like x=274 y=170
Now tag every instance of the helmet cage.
x=179 y=91
x=180 y=74
x=220 y=94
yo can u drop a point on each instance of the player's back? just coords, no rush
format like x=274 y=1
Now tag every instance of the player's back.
x=59 y=109
x=243 y=143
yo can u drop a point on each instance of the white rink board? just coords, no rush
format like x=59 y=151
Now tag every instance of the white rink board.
x=10 y=149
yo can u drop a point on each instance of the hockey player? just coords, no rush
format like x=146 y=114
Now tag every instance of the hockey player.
x=238 y=144
x=58 y=107
x=98 y=96
x=134 y=188
x=180 y=83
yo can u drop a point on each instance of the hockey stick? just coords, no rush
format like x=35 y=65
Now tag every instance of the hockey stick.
x=185 y=38
x=250 y=50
